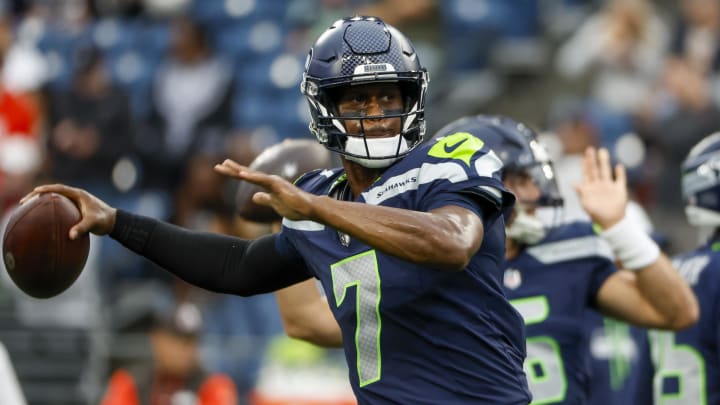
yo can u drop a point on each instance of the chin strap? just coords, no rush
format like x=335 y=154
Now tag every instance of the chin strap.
x=525 y=228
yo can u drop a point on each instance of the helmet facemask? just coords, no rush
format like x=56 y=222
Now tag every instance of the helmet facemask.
x=361 y=51
x=525 y=226
x=701 y=192
x=348 y=133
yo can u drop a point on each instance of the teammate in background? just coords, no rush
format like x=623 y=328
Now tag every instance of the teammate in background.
x=687 y=363
x=406 y=238
x=289 y=160
x=554 y=276
x=310 y=366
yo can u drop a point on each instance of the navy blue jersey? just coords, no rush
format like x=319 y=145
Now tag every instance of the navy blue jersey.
x=553 y=284
x=616 y=350
x=687 y=363
x=414 y=334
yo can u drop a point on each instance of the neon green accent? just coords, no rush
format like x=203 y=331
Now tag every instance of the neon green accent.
x=339 y=266
x=294 y=352
x=460 y=146
x=682 y=378
x=619 y=365
x=534 y=379
x=339 y=180
x=597 y=228
x=538 y=305
x=715 y=246
x=543 y=352
x=670 y=362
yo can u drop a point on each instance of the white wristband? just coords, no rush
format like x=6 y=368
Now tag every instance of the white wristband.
x=631 y=245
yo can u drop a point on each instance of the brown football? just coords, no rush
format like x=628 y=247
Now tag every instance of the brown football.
x=288 y=159
x=39 y=256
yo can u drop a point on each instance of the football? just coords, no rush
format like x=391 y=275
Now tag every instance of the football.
x=288 y=159
x=39 y=256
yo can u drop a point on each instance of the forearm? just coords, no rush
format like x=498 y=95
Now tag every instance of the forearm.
x=214 y=262
x=656 y=279
x=663 y=287
x=445 y=238
x=306 y=315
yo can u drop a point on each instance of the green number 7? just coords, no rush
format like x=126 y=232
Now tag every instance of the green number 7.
x=361 y=272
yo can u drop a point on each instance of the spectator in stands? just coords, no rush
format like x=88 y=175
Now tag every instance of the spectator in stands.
x=192 y=94
x=624 y=44
x=173 y=375
x=90 y=127
x=697 y=35
x=20 y=150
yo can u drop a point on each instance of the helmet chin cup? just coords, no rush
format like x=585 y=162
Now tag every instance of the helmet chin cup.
x=525 y=228
x=375 y=153
x=702 y=217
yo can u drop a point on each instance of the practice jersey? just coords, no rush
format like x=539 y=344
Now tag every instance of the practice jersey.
x=554 y=284
x=414 y=334
x=687 y=363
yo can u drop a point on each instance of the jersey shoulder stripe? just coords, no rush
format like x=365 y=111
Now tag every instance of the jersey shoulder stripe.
x=573 y=241
x=307 y=226
x=456 y=163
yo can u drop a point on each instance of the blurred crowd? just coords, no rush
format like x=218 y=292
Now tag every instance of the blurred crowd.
x=135 y=100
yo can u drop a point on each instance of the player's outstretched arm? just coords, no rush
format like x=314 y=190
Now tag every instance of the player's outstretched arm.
x=214 y=262
x=306 y=315
x=652 y=293
x=445 y=238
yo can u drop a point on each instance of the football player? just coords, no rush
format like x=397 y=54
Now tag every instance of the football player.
x=406 y=238
x=553 y=276
x=687 y=363
x=556 y=276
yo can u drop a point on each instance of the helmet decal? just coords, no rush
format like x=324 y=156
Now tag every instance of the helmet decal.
x=460 y=145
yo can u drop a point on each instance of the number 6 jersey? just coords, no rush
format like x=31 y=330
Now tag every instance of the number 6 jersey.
x=554 y=284
x=414 y=334
x=687 y=363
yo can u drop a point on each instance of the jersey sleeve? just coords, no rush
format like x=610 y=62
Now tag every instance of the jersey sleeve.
x=715 y=308
x=594 y=256
x=602 y=271
x=470 y=169
x=603 y=265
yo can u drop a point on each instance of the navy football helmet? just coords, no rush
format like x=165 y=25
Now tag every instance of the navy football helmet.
x=364 y=50
x=701 y=182
x=517 y=147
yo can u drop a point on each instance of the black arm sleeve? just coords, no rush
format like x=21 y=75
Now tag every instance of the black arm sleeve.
x=214 y=262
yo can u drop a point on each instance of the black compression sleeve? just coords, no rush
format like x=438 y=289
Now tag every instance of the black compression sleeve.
x=215 y=262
